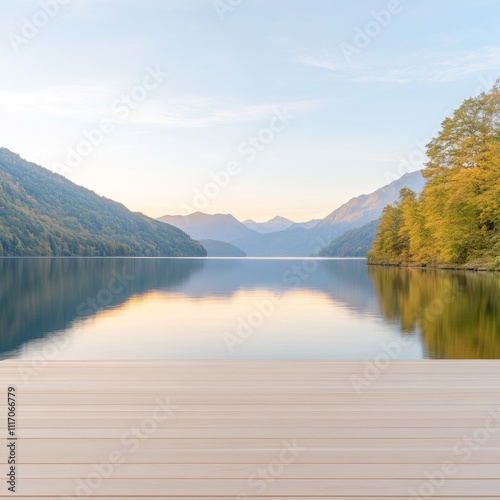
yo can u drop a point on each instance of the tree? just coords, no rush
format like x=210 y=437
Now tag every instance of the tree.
x=456 y=219
x=388 y=246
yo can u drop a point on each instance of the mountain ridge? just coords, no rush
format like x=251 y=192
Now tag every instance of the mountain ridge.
x=298 y=240
x=301 y=242
x=275 y=224
x=44 y=214
x=364 y=205
x=202 y=226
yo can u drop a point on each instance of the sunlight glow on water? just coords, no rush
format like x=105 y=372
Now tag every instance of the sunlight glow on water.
x=243 y=309
x=302 y=325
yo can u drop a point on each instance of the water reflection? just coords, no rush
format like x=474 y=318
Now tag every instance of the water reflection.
x=182 y=308
x=42 y=296
x=457 y=313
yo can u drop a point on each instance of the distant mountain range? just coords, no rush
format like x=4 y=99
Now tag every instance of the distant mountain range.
x=278 y=224
x=271 y=226
x=220 y=227
x=45 y=214
x=297 y=240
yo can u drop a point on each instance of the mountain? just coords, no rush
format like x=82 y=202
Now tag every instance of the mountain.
x=44 y=214
x=271 y=226
x=288 y=243
x=355 y=243
x=216 y=248
x=220 y=227
x=299 y=242
x=367 y=207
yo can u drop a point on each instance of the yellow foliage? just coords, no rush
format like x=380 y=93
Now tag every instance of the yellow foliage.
x=456 y=219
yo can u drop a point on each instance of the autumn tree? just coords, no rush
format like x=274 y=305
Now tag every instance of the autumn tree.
x=456 y=219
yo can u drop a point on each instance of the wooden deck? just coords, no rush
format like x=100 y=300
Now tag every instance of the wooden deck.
x=253 y=429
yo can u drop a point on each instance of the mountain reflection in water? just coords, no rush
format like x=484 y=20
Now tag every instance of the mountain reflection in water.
x=270 y=308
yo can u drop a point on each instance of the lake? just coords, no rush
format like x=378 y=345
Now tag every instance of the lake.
x=329 y=309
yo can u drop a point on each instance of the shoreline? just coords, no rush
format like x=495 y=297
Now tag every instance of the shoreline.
x=443 y=267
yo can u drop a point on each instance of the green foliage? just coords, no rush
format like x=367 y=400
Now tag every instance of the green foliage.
x=44 y=214
x=456 y=219
x=354 y=243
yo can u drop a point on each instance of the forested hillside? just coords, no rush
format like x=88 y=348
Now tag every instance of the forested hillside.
x=354 y=243
x=44 y=214
x=456 y=219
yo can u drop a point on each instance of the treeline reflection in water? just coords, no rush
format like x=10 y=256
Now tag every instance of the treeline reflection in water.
x=456 y=314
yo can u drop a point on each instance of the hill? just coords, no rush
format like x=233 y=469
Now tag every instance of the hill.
x=45 y=214
x=355 y=243
x=216 y=248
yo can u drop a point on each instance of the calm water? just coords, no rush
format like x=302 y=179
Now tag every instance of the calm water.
x=230 y=308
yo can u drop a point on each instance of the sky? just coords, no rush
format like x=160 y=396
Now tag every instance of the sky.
x=256 y=108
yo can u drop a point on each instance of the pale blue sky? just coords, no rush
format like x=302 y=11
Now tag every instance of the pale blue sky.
x=222 y=81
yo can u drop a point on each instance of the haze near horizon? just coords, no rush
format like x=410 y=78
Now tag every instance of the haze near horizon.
x=256 y=109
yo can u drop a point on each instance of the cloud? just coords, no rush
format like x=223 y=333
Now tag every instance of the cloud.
x=323 y=63
x=425 y=67
x=204 y=112
x=89 y=103
x=77 y=101
x=464 y=64
x=440 y=67
x=391 y=76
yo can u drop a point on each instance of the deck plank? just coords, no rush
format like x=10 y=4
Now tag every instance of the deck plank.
x=301 y=424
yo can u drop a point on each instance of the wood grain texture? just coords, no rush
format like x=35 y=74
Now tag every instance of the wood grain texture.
x=196 y=430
